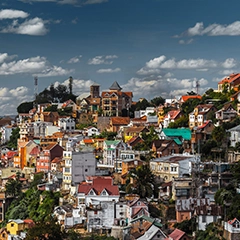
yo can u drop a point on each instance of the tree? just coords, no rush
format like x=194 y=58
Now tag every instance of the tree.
x=13 y=186
x=14 y=138
x=49 y=230
x=157 y=101
x=141 y=181
x=219 y=134
x=25 y=107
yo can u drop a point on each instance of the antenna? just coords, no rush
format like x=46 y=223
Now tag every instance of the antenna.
x=197 y=86
x=35 y=91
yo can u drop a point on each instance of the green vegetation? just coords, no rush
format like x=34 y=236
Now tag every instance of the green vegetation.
x=12 y=144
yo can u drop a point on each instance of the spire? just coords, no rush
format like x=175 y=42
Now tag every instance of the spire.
x=115 y=86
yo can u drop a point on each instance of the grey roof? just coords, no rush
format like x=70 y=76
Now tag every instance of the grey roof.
x=115 y=86
x=95 y=84
x=237 y=128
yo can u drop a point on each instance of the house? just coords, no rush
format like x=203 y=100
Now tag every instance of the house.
x=97 y=189
x=234 y=135
x=173 y=166
x=178 y=234
x=163 y=148
x=115 y=102
x=111 y=151
x=24 y=149
x=171 y=116
x=136 y=208
x=202 y=133
x=6 y=132
x=232 y=229
x=185 y=207
x=182 y=188
x=69 y=216
x=127 y=165
x=226 y=113
x=56 y=164
x=230 y=82
x=201 y=114
x=117 y=122
x=66 y=124
x=207 y=214
x=100 y=215
x=83 y=164
x=91 y=131
x=67 y=169
x=129 y=132
x=16 y=226
x=46 y=156
x=182 y=136
x=144 y=228
x=146 y=112
x=132 y=142
x=4 y=234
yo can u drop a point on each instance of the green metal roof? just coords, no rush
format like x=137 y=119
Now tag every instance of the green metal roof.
x=177 y=141
x=112 y=142
x=185 y=133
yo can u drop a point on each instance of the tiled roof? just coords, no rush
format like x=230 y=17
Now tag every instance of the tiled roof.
x=173 y=114
x=186 y=97
x=120 y=120
x=204 y=125
x=231 y=78
x=177 y=234
x=98 y=185
x=35 y=151
x=56 y=160
x=89 y=141
x=115 y=86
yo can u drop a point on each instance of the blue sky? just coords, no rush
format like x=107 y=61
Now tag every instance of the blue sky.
x=151 y=47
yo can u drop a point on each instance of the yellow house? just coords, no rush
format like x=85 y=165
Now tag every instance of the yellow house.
x=14 y=227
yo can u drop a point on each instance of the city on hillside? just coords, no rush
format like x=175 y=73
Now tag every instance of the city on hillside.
x=102 y=166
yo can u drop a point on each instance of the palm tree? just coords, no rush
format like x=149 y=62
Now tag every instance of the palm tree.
x=141 y=181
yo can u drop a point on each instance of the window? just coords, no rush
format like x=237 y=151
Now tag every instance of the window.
x=203 y=218
x=12 y=224
x=86 y=170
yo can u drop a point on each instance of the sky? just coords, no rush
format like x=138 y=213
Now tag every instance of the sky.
x=150 y=47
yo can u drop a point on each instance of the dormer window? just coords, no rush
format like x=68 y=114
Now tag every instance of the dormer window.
x=91 y=192
x=104 y=192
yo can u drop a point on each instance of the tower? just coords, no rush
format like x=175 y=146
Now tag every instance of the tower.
x=95 y=90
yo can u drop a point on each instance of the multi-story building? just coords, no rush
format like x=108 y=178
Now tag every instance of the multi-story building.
x=115 y=102
x=201 y=114
x=67 y=169
x=84 y=164
x=47 y=155
x=66 y=124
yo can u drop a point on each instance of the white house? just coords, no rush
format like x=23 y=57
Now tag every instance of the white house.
x=234 y=135
x=66 y=124
x=91 y=131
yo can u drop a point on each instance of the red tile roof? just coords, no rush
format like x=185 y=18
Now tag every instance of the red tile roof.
x=98 y=185
x=120 y=120
x=35 y=151
x=176 y=235
x=186 y=97
x=231 y=78
x=88 y=140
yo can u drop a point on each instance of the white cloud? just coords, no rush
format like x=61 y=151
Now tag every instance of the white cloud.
x=35 y=27
x=227 y=72
x=164 y=86
x=34 y=65
x=111 y=56
x=11 y=14
x=54 y=71
x=162 y=63
x=109 y=70
x=215 y=29
x=75 y=59
x=186 y=41
x=79 y=86
x=148 y=71
x=11 y=98
x=99 y=60
x=95 y=1
x=229 y=63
